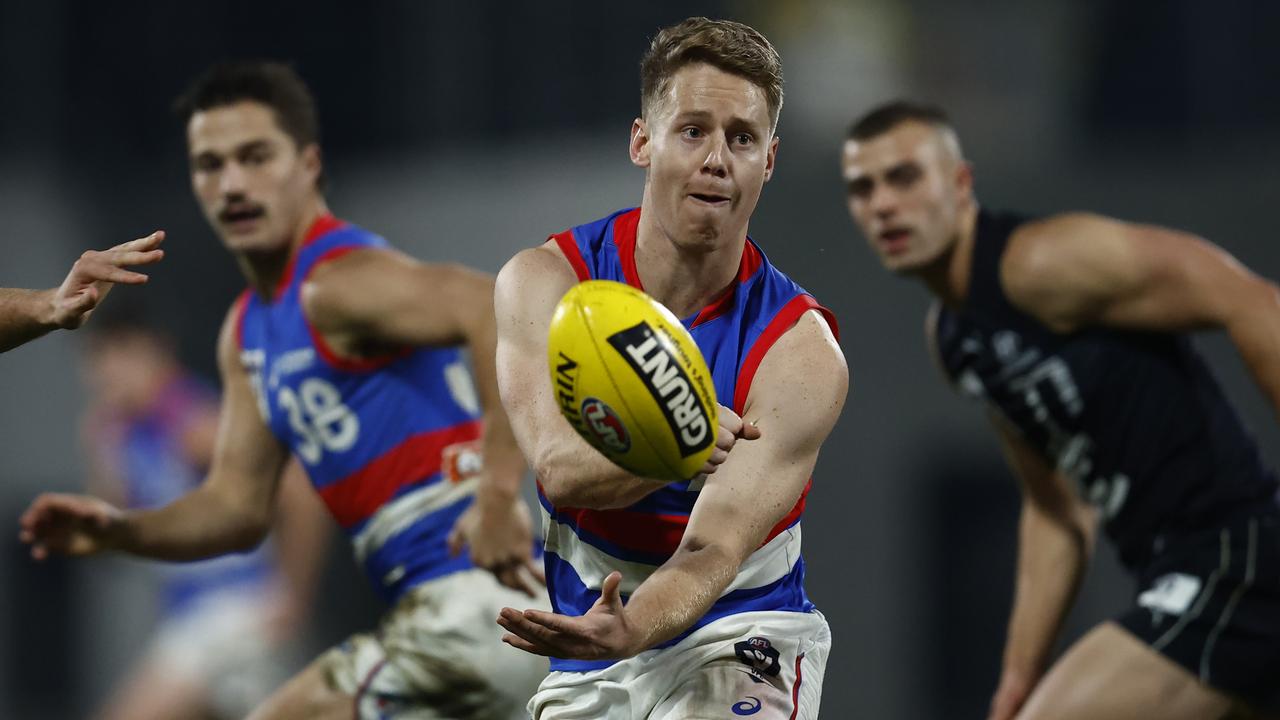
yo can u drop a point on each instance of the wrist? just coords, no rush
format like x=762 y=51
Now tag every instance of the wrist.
x=45 y=310
x=496 y=495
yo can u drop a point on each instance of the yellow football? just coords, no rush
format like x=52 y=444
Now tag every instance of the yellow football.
x=630 y=379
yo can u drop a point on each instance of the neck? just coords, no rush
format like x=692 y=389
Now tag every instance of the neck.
x=947 y=277
x=264 y=270
x=681 y=278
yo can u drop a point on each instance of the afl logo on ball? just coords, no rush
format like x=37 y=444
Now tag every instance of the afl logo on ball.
x=605 y=424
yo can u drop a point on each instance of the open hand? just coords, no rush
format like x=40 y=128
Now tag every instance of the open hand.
x=499 y=534
x=603 y=633
x=68 y=525
x=96 y=271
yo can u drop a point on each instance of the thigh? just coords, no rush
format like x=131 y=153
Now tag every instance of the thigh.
x=1112 y=675
x=1210 y=602
x=313 y=694
x=445 y=650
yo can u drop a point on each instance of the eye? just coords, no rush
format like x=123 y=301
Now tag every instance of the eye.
x=256 y=157
x=207 y=163
x=743 y=139
x=691 y=132
x=860 y=188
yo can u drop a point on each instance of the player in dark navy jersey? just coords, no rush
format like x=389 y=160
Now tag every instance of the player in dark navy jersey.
x=716 y=621
x=27 y=314
x=345 y=353
x=1070 y=328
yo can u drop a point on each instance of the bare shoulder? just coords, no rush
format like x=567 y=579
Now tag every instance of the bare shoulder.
x=1057 y=268
x=806 y=369
x=229 y=339
x=534 y=273
x=931 y=319
x=333 y=286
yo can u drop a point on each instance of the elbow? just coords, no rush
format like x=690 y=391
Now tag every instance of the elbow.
x=557 y=486
x=250 y=534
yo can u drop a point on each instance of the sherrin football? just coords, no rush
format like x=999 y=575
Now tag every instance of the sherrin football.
x=629 y=378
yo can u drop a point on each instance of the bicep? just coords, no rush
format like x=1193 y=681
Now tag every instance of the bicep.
x=1083 y=270
x=391 y=298
x=526 y=294
x=795 y=399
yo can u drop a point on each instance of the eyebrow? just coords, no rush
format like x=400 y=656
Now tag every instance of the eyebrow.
x=244 y=147
x=734 y=121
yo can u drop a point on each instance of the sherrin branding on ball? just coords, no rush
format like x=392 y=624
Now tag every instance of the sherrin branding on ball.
x=630 y=379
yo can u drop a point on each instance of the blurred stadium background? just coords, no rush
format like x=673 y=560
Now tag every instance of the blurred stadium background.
x=466 y=131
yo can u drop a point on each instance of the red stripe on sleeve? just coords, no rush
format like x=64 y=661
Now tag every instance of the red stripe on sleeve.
x=326 y=352
x=242 y=306
x=572 y=254
x=625 y=227
x=358 y=496
x=781 y=322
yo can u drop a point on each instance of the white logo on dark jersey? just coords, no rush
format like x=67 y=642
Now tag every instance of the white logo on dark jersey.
x=1171 y=594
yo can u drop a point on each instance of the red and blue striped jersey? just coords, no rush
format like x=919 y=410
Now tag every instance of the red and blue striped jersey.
x=390 y=444
x=734 y=333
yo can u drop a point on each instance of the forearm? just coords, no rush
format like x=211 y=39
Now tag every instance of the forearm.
x=1256 y=335
x=301 y=536
x=1052 y=557
x=201 y=524
x=680 y=592
x=574 y=474
x=504 y=464
x=24 y=316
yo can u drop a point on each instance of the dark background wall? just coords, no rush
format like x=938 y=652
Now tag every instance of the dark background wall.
x=470 y=130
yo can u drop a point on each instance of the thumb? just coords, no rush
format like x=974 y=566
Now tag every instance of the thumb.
x=609 y=591
x=750 y=431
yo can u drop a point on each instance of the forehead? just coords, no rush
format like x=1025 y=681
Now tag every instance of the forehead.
x=910 y=141
x=700 y=87
x=223 y=128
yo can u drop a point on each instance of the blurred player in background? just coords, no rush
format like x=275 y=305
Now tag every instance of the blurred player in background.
x=149 y=433
x=716 y=618
x=345 y=352
x=27 y=314
x=1072 y=328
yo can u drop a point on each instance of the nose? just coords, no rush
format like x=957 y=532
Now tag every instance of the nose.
x=883 y=201
x=231 y=180
x=715 y=162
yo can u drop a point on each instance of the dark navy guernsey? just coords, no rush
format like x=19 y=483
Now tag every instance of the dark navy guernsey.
x=1136 y=419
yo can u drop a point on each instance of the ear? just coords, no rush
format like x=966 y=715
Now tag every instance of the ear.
x=640 y=143
x=311 y=161
x=964 y=179
x=771 y=157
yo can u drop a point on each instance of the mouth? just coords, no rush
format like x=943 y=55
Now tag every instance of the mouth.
x=710 y=199
x=241 y=218
x=894 y=240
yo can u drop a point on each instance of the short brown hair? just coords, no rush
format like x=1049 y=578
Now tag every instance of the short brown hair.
x=730 y=46
x=883 y=118
x=268 y=82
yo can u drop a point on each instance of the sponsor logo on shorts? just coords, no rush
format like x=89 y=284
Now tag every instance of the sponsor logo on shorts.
x=605 y=425
x=663 y=373
x=758 y=654
x=749 y=706
x=1172 y=593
